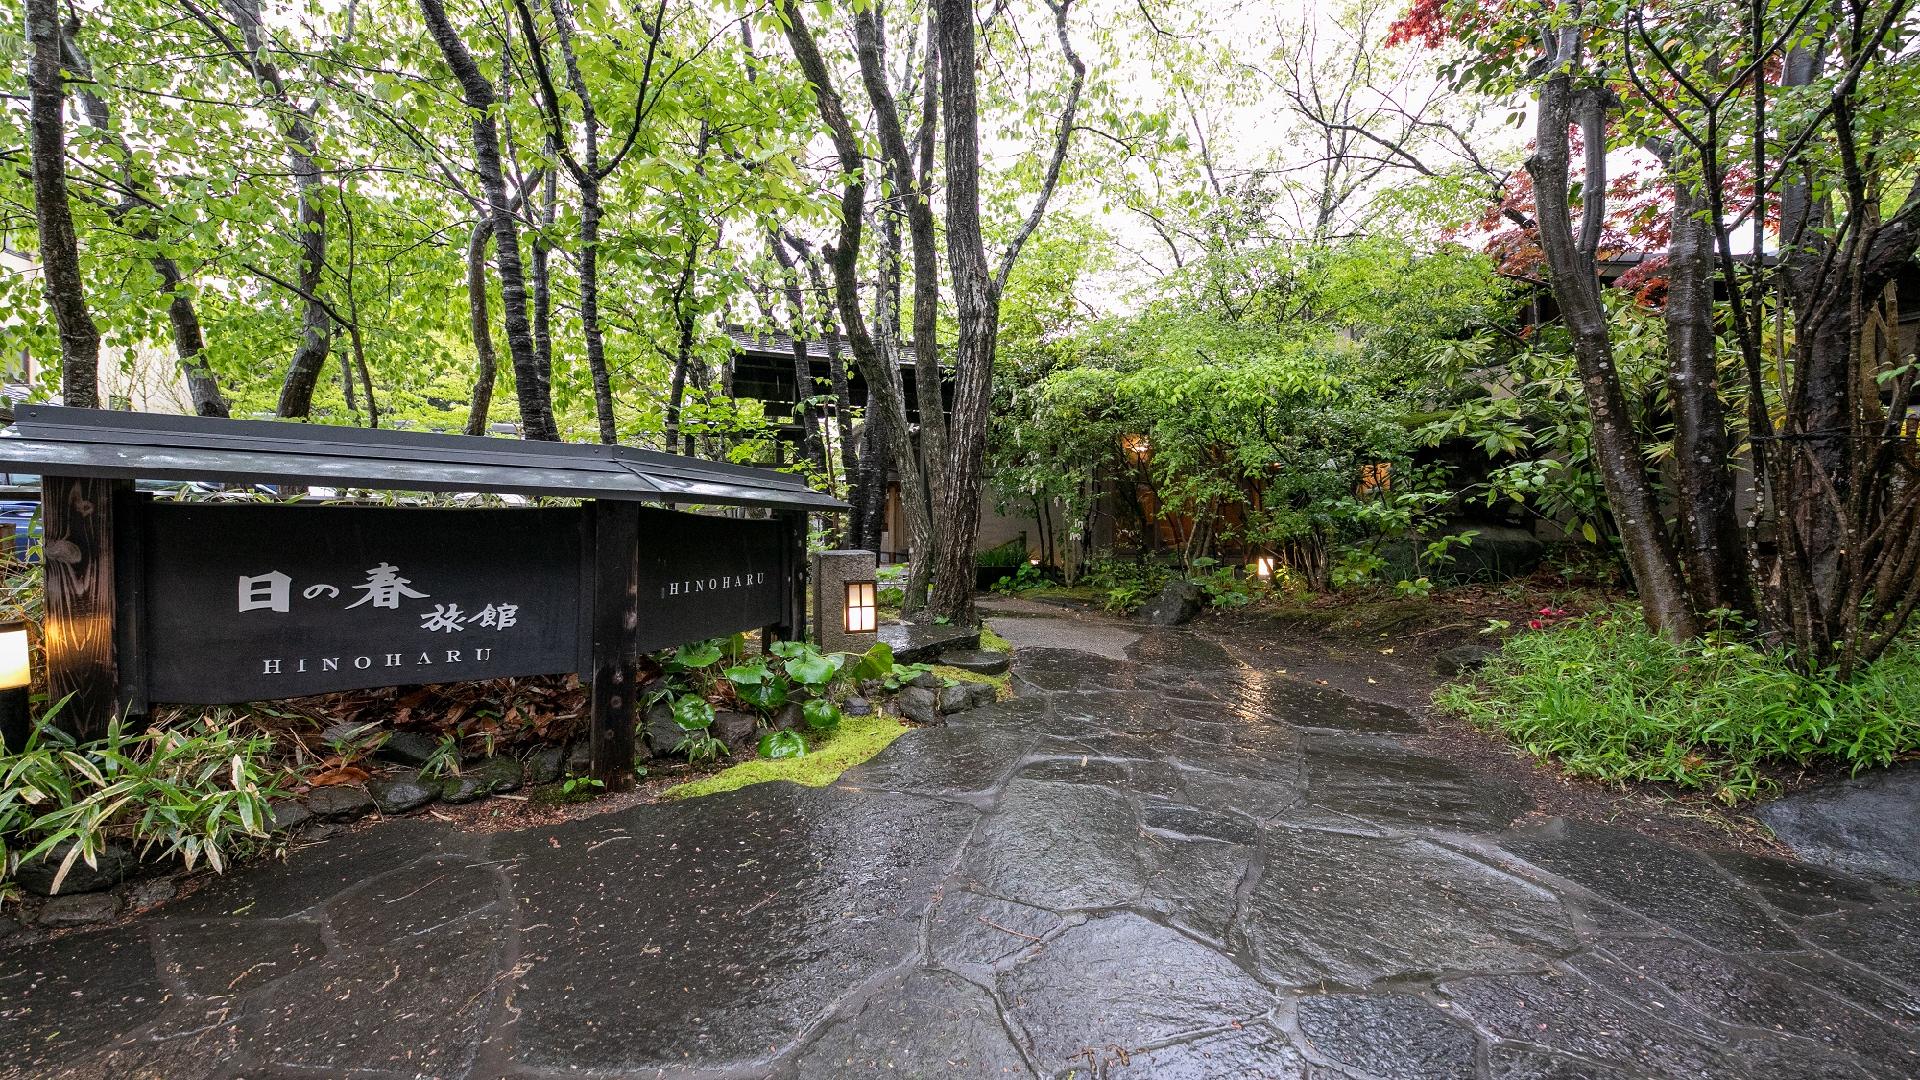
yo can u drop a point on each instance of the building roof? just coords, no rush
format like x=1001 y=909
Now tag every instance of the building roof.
x=775 y=345
x=139 y=446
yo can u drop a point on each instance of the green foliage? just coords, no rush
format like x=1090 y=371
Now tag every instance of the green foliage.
x=1128 y=583
x=821 y=714
x=580 y=788
x=777 y=745
x=1605 y=698
x=903 y=674
x=196 y=793
x=1010 y=554
x=444 y=760
x=1251 y=398
x=791 y=670
x=1027 y=576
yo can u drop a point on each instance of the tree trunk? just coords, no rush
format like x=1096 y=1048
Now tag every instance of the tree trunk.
x=881 y=374
x=316 y=326
x=910 y=182
x=590 y=310
x=870 y=497
x=486 y=368
x=977 y=287
x=1617 y=449
x=53 y=217
x=539 y=287
x=1713 y=550
x=977 y=311
x=536 y=404
x=587 y=174
x=814 y=444
x=682 y=357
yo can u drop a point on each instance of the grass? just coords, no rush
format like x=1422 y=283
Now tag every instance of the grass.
x=854 y=741
x=1604 y=698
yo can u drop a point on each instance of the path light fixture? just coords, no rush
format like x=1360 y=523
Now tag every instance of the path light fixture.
x=862 y=616
x=1263 y=567
x=16 y=680
x=846 y=609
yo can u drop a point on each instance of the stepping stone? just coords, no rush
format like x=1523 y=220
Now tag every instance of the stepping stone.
x=978 y=661
x=1864 y=824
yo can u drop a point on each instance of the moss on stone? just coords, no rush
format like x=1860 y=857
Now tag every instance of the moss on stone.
x=1002 y=684
x=993 y=642
x=854 y=741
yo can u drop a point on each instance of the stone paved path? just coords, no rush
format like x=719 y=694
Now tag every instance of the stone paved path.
x=1155 y=864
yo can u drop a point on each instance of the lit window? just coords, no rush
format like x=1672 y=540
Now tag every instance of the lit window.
x=862 y=616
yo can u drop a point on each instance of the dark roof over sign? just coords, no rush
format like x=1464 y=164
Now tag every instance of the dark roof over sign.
x=134 y=446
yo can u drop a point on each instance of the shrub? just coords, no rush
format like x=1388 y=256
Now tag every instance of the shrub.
x=195 y=792
x=1605 y=698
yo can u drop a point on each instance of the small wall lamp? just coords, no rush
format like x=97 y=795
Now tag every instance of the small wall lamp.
x=16 y=677
x=863 y=617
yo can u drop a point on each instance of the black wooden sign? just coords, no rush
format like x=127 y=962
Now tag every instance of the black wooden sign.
x=701 y=577
x=251 y=602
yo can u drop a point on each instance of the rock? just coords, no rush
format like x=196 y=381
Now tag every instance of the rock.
x=1388 y=1035
x=468 y=787
x=1864 y=824
x=740 y=731
x=872 y=688
x=401 y=794
x=111 y=866
x=978 y=661
x=1461 y=659
x=499 y=773
x=339 y=802
x=1120 y=980
x=918 y=704
x=9 y=927
x=289 y=814
x=1176 y=605
x=78 y=910
x=662 y=733
x=544 y=765
x=142 y=895
x=788 y=718
x=927 y=680
x=953 y=699
x=413 y=748
x=917 y=1018
x=984 y=694
x=857 y=706
x=580 y=758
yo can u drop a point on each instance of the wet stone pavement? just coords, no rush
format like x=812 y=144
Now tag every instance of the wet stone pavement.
x=1155 y=863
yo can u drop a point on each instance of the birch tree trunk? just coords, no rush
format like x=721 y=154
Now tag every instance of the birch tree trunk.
x=53 y=217
x=536 y=404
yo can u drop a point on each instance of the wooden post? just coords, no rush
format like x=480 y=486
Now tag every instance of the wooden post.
x=797 y=575
x=83 y=603
x=614 y=593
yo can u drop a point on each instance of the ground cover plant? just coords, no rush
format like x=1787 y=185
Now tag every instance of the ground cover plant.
x=851 y=742
x=192 y=793
x=1606 y=698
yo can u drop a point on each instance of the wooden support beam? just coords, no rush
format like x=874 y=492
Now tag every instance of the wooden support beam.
x=83 y=600
x=614 y=595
